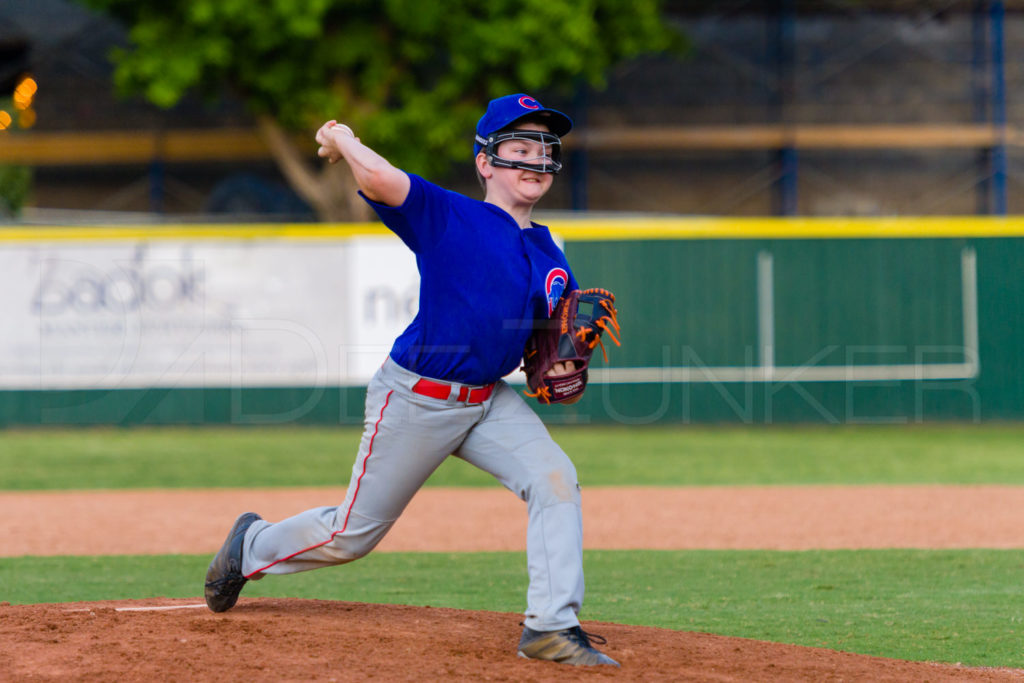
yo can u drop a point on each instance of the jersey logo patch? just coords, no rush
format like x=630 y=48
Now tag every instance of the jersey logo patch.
x=554 y=285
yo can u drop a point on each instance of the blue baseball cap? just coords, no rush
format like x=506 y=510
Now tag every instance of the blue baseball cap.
x=505 y=111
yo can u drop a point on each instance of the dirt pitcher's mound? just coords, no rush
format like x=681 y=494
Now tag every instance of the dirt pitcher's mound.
x=301 y=640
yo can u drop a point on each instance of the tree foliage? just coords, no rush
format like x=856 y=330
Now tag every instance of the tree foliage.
x=15 y=186
x=410 y=76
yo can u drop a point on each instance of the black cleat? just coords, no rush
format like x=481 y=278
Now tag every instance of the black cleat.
x=224 y=579
x=571 y=646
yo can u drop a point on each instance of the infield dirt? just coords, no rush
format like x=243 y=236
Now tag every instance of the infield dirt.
x=492 y=519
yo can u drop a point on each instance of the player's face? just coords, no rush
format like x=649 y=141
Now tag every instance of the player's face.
x=529 y=186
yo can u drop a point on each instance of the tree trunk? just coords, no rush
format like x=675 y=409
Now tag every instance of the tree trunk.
x=330 y=189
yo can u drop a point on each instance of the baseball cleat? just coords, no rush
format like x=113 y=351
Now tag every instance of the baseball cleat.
x=224 y=579
x=571 y=646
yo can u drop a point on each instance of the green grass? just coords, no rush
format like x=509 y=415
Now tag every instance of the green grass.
x=953 y=606
x=604 y=455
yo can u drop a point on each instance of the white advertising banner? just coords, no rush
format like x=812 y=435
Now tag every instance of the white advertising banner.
x=381 y=300
x=201 y=313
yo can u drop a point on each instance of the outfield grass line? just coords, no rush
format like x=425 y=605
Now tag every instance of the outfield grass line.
x=608 y=455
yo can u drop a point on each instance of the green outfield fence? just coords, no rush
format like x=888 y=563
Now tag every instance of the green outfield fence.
x=825 y=320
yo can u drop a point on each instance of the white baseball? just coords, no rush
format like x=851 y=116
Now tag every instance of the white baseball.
x=343 y=127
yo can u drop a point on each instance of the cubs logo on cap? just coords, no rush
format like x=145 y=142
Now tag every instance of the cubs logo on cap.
x=503 y=112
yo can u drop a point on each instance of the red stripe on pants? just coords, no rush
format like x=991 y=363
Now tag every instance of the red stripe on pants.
x=376 y=428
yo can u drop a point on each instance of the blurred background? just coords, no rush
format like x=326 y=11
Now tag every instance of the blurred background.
x=125 y=112
x=794 y=108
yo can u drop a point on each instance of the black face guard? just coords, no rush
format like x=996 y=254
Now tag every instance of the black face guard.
x=546 y=164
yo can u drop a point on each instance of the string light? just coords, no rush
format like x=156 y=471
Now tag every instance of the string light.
x=25 y=93
x=5 y=120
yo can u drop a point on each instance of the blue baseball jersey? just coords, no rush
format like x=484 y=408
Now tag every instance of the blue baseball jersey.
x=483 y=282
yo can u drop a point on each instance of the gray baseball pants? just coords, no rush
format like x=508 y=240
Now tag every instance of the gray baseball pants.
x=405 y=438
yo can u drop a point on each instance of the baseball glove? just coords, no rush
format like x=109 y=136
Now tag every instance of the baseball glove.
x=570 y=334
